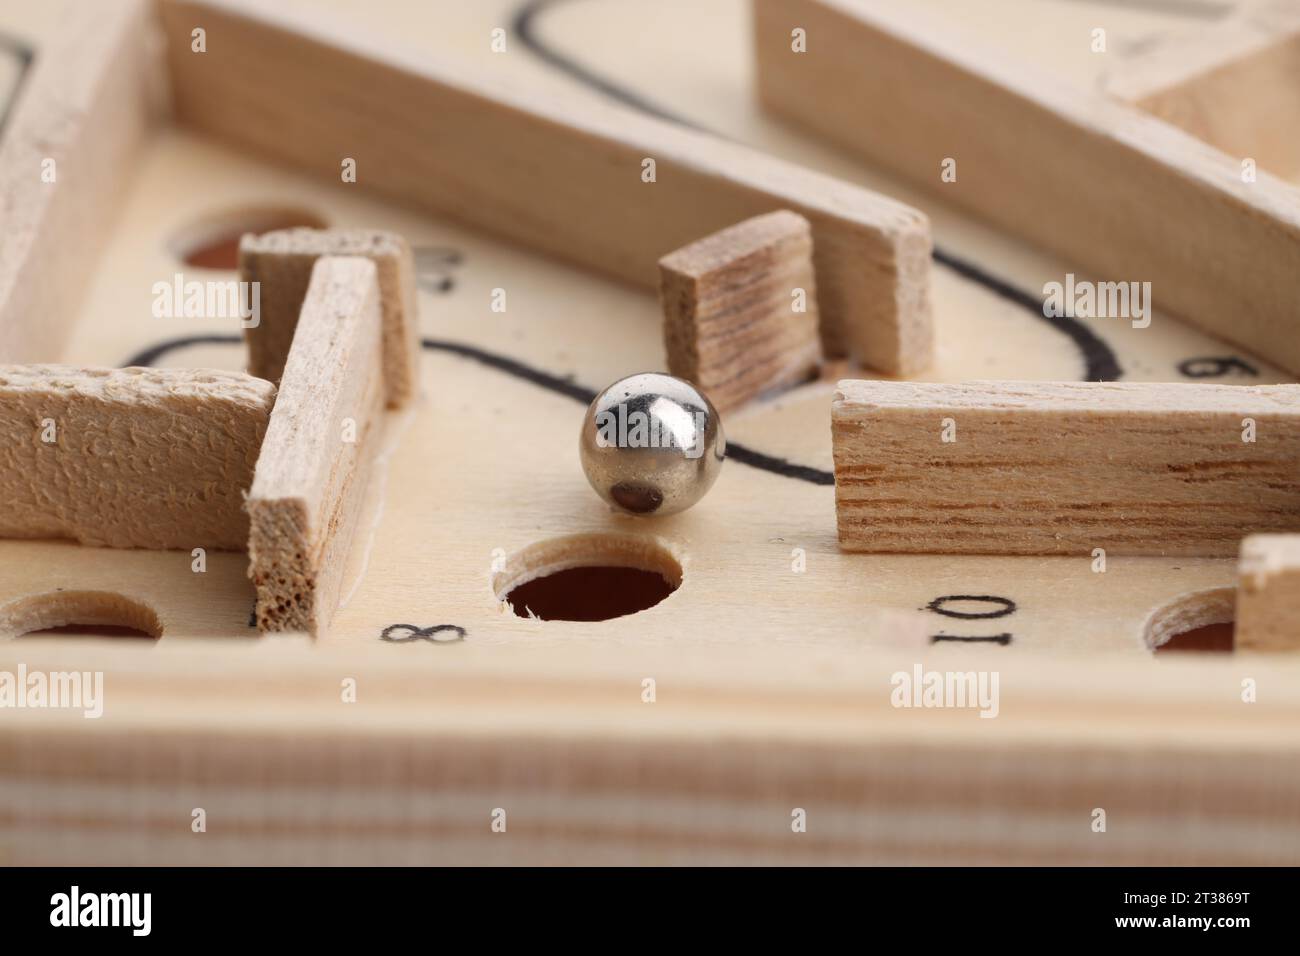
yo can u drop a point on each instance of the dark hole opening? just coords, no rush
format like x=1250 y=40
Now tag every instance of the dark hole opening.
x=89 y=630
x=1210 y=638
x=219 y=253
x=589 y=593
x=214 y=244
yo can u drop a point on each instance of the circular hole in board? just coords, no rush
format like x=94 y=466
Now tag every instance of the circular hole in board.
x=89 y=630
x=1199 y=621
x=79 y=613
x=588 y=577
x=1212 y=638
x=212 y=242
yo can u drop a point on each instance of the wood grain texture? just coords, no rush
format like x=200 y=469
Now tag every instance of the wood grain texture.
x=282 y=260
x=81 y=114
x=781 y=712
x=312 y=473
x=1063 y=468
x=585 y=771
x=139 y=458
x=565 y=178
x=736 y=549
x=1268 y=595
x=1124 y=194
x=730 y=319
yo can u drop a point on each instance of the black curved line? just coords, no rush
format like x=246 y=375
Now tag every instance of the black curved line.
x=543 y=379
x=779 y=466
x=585 y=395
x=553 y=383
x=153 y=353
x=524 y=19
x=1100 y=362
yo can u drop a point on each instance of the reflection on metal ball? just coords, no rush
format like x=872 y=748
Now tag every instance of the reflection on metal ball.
x=652 y=444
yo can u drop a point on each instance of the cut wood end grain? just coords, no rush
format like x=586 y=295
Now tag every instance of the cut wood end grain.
x=740 y=309
x=1064 y=468
x=1268 y=593
x=311 y=476
x=129 y=458
x=282 y=260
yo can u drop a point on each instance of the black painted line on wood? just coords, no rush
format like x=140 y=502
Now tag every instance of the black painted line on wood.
x=1100 y=362
x=521 y=370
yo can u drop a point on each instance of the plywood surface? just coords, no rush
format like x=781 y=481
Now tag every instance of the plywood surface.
x=445 y=469
x=484 y=465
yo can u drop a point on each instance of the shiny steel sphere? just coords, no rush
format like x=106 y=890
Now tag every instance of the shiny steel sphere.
x=651 y=444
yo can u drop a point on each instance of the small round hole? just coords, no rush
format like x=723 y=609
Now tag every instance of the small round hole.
x=588 y=577
x=88 y=630
x=84 y=613
x=213 y=241
x=1197 y=621
x=1212 y=638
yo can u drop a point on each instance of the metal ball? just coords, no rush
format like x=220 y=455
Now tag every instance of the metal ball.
x=652 y=444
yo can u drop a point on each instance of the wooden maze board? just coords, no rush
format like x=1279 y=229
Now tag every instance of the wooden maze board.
x=772 y=685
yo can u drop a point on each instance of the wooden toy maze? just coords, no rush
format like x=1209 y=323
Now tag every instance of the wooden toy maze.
x=1001 y=311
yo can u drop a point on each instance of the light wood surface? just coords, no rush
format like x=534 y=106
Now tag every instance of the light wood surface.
x=129 y=458
x=325 y=430
x=438 y=744
x=537 y=170
x=72 y=138
x=740 y=309
x=1117 y=191
x=1064 y=468
x=773 y=678
x=281 y=262
x=1268 y=597
x=1228 y=83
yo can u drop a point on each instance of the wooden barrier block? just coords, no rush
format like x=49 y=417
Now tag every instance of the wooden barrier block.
x=312 y=473
x=602 y=186
x=1063 y=468
x=1268 y=593
x=282 y=262
x=910 y=92
x=72 y=137
x=129 y=458
x=732 y=304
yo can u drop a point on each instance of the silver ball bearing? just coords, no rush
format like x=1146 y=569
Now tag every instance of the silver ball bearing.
x=651 y=444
